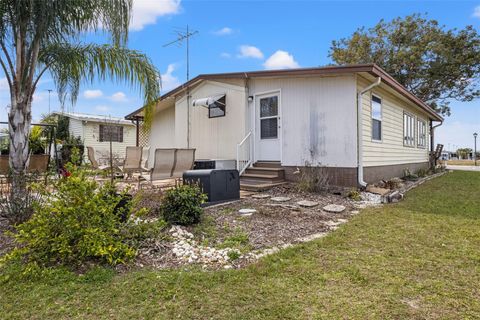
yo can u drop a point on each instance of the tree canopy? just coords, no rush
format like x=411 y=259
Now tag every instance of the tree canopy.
x=435 y=63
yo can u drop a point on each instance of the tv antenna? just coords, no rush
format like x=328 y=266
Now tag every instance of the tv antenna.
x=184 y=36
x=181 y=37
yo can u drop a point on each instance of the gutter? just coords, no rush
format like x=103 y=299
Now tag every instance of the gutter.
x=360 y=131
x=432 y=141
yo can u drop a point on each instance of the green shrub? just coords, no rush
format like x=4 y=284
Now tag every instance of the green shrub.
x=182 y=204
x=422 y=172
x=79 y=222
x=354 y=194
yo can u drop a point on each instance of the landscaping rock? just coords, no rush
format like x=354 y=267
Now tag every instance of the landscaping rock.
x=280 y=199
x=377 y=190
x=307 y=203
x=334 y=208
x=247 y=212
x=261 y=196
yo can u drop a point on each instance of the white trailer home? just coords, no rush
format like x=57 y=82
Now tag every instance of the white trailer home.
x=356 y=121
x=94 y=131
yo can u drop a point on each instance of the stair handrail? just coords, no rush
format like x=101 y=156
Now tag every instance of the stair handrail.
x=243 y=164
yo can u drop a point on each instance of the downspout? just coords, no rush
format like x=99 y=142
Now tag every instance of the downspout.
x=360 y=131
x=432 y=141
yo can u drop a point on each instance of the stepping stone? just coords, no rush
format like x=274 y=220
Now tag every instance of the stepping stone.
x=247 y=212
x=307 y=203
x=261 y=196
x=334 y=208
x=280 y=199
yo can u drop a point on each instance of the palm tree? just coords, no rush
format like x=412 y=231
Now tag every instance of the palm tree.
x=39 y=36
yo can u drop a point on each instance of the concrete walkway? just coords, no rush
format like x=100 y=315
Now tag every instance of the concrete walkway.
x=464 y=168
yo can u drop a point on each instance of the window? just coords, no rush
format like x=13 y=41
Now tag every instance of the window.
x=408 y=130
x=269 y=117
x=217 y=109
x=422 y=134
x=111 y=132
x=376 y=118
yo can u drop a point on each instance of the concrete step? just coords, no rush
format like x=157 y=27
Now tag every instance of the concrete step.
x=268 y=164
x=279 y=172
x=262 y=177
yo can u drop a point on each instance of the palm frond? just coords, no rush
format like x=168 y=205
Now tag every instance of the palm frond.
x=72 y=64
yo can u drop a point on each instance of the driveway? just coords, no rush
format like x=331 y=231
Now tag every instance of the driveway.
x=464 y=168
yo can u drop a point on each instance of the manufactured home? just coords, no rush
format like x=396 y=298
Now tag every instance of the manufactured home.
x=97 y=130
x=356 y=121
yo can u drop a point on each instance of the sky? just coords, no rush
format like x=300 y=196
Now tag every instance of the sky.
x=253 y=35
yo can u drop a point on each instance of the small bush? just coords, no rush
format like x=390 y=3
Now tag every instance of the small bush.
x=80 y=222
x=182 y=204
x=313 y=178
x=422 y=172
x=354 y=194
x=392 y=184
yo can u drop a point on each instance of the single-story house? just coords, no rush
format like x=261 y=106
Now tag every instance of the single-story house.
x=355 y=120
x=96 y=130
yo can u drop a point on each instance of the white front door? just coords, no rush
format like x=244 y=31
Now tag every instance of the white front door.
x=267 y=127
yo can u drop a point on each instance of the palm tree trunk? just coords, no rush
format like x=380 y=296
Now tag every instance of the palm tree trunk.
x=19 y=120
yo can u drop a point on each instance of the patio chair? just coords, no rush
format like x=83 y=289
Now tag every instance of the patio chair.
x=163 y=165
x=145 y=156
x=93 y=160
x=133 y=161
x=184 y=160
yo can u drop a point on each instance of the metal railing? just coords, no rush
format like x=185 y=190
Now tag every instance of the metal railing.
x=244 y=153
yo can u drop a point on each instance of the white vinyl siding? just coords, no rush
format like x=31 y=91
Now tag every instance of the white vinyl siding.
x=392 y=150
x=318 y=119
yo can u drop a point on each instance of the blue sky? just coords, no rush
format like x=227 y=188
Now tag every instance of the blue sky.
x=255 y=35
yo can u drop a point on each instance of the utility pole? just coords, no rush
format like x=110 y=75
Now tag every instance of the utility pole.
x=475 y=135
x=181 y=37
x=49 y=91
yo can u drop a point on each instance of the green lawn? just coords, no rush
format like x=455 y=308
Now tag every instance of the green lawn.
x=418 y=259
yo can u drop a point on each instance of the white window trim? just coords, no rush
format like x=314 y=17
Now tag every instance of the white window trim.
x=424 y=123
x=413 y=130
x=381 y=118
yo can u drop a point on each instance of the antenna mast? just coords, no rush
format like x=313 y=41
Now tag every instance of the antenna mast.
x=181 y=37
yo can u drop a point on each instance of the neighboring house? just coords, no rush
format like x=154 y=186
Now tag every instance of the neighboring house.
x=94 y=131
x=285 y=119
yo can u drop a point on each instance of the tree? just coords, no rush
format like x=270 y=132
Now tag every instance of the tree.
x=463 y=153
x=436 y=64
x=46 y=36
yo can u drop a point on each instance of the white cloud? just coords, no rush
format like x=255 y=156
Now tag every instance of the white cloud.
x=4 y=84
x=281 y=60
x=225 y=55
x=102 y=108
x=476 y=12
x=250 y=52
x=146 y=12
x=169 y=81
x=223 y=32
x=92 y=94
x=118 y=97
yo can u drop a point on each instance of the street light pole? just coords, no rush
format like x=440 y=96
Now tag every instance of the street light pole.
x=475 y=135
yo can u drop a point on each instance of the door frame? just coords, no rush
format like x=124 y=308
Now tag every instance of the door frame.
x=280 y=121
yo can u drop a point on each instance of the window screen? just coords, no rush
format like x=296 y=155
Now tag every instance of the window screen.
x=217 y=109
x=422 y=134
x=269 y=117
x=408 y=130
x=376 y=118
x=111 y=132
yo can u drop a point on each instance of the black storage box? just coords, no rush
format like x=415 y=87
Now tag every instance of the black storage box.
x=219 y=185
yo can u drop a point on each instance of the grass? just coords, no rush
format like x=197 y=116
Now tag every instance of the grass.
x=418 y=259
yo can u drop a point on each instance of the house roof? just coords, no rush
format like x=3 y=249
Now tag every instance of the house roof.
x=371 y=68
x=95 y=118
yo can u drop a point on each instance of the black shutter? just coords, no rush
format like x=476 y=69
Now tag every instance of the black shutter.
x=101 y=135
x=121 y=134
